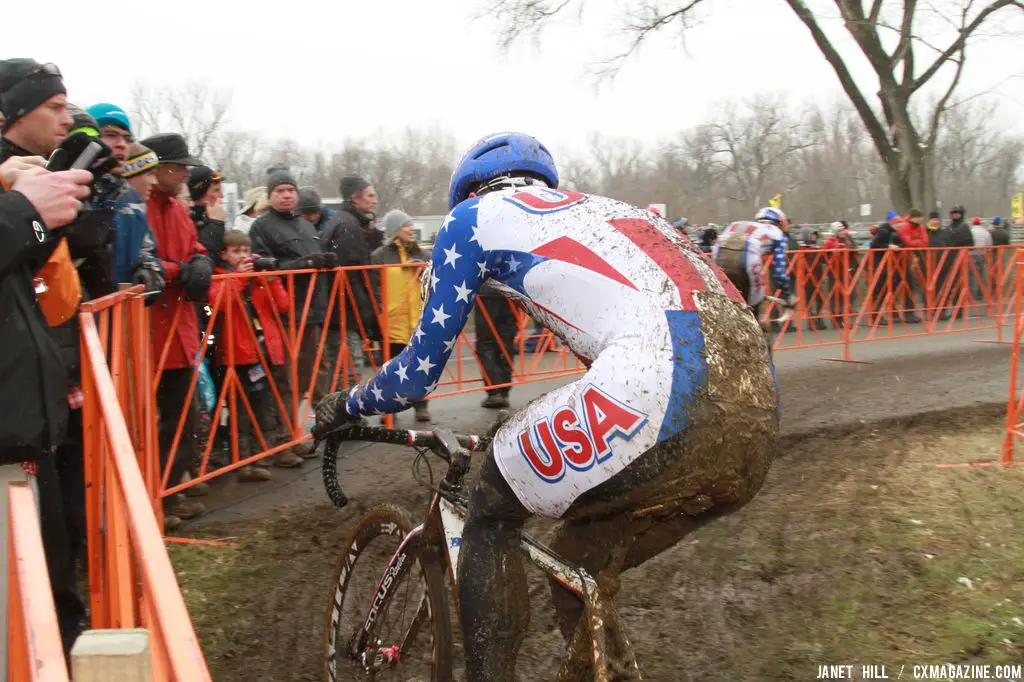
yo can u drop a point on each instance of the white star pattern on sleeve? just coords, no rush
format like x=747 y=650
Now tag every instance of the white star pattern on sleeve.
x=425 y=365
x=451 y=255
x=419 y=368
x=513 y=264
x=439 y=315
x=462 y=292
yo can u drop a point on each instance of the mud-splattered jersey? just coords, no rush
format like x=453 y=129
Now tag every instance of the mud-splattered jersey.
x=764 y=239
x=589 y=268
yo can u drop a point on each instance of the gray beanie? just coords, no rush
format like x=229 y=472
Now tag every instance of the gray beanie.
x=310 y=201
x=352 y=184
x=393 y=221
x=280 y=177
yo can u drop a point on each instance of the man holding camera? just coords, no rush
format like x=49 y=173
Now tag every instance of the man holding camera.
x=283 y=233
x=188 y=272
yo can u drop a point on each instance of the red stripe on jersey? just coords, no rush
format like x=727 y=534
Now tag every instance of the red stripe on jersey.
x=667 y=254
x=571 y=251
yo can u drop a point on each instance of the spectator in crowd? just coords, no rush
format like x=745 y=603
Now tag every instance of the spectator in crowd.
x=37 y=118
x=283 y=233
x=259 y=297
x=846 y=262
x=404 y=304
x=188 y=271
x=135 y=258
x=814 y=276
x=940 y=260
x=351 y=235
x=495 y=350
x=254 y=204
x=959 y=237
x=707 y=239
x=311 y=206
x=980 y=255
x=959 y=230
x=913 y=234
x=1000 y=234
x=884 y=239
x=34 y=409
x=206 y=191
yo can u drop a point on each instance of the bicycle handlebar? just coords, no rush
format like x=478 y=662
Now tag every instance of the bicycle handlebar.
x=434 y=440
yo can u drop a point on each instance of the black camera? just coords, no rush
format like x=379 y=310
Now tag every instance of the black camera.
x=264 y=264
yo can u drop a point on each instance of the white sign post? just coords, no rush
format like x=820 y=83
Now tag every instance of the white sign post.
x=230 y=201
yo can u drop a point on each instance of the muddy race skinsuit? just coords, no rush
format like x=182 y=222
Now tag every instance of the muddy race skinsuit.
x=740 y=252
x=678 y=406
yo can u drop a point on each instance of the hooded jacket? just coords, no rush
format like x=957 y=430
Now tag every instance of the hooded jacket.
x=134 y=245
x=260 y=297
x=291 y=239
x=960 y=233
x=350 y=236
x=403 y=288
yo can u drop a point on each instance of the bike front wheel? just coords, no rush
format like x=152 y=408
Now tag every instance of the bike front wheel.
x=387 y=620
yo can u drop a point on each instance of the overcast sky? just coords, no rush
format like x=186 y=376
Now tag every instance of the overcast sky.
x=318 y=72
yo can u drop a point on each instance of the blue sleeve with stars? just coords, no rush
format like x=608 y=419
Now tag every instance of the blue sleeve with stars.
x=779 y=265
x=460 y=267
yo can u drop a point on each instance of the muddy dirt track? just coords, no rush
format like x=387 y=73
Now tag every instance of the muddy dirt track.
x=690 y=609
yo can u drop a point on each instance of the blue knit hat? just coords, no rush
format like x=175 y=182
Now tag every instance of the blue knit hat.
x=997 y=221
x=110 y=115
x=891 y=216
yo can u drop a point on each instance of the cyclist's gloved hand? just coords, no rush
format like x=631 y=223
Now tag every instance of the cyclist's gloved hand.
x=332 y=415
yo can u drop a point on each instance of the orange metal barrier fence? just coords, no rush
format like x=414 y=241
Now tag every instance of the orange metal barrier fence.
x=131 y=581
x=34 y=651
x=845 y=297
x=1015 y=403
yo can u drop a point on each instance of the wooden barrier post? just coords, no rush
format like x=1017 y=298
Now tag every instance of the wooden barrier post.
x=101 y=655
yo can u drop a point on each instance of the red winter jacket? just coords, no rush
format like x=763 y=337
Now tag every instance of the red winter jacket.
x=264 y=294
x=176 y=242
x=913 y=236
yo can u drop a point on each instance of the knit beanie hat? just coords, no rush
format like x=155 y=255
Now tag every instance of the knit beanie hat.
x=310 y=201
x=200 y=179
x=393 y=221
x=82 y=122
x=140 y=159
x=351 y=185
x=24 y=85
x=915 y=213
x=976 y=221
x=110 y=115
x=280 y=177
x=997 y=221
x=891 y=216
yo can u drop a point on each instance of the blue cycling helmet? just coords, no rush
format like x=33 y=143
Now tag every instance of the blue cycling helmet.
x=110 y=115
x=497 y=155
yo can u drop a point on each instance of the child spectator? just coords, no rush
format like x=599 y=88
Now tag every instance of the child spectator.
x=259 y=297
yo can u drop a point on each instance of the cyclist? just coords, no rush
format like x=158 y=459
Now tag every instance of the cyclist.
x=677 y=410
x=740 y=251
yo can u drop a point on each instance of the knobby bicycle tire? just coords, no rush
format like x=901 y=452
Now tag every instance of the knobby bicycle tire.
x=395 y=522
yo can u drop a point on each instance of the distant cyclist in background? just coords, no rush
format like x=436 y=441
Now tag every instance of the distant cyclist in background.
x=741 y=249
x=677 y=411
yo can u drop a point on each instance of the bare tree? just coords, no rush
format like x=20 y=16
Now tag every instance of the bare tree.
x=893 y=37
x=192 y=109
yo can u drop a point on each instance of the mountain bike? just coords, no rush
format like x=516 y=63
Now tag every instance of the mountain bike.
x=363 y=637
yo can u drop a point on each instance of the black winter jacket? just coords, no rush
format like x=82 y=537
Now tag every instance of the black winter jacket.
x=960 y=233
x=291 y=239
x=350 y=236
x=33 y=381
x=210 y=231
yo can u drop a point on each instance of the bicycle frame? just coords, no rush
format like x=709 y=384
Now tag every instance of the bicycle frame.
x=443 y=528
